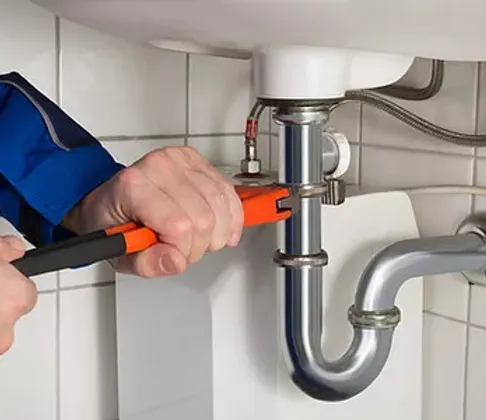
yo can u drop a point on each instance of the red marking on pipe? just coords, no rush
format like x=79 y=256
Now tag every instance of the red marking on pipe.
x=251 y=132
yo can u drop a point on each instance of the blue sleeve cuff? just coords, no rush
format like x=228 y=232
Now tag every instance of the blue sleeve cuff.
x=75 y=173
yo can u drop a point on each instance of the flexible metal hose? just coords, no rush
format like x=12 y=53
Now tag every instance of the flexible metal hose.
x=420 y=94
x=419 y=123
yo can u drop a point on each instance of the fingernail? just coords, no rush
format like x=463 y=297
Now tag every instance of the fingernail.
x=234 y=240
x=15 y=243
x=167 y=264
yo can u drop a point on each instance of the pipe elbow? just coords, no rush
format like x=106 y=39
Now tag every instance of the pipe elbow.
x=345 y=377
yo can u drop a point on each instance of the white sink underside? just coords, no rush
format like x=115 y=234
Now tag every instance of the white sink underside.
x=445 y=29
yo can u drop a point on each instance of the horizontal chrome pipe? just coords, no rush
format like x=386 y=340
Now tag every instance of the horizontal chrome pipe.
x=386 y=273
x=373 y=315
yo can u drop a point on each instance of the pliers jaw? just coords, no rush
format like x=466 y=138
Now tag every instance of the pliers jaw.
x=289 y=204
x=266 y=204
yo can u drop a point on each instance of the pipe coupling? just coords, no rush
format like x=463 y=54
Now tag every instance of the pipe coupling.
x=331 y=191
x=301 y=261
x=383 y=319
x=307 y=190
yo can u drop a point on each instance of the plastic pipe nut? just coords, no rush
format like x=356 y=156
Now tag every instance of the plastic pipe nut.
x=344 y=152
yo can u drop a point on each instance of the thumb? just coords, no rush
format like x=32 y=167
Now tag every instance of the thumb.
x=6 y=333
x=159 y=260
x=11 y=248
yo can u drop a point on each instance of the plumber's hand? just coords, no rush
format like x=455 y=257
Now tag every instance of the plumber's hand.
x=175 y=192
x=18 y=295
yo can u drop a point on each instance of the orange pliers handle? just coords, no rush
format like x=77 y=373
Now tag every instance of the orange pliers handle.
x=260 y=206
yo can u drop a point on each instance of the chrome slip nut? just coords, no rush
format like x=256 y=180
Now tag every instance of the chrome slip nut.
x=383 y=319
x=300 y=261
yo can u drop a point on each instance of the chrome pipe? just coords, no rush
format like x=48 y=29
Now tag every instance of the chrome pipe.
x=386 y=273
x=373 y=315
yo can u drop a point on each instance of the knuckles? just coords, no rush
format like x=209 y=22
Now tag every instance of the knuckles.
x=205 y=222
x=173 y=153
x=180 y=226
x=129 y=177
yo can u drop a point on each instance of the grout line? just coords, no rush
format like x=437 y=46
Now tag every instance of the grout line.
x=477 y=87
x=474 y=179
x=477 y=326
x=417 y=150
x=466 y=353
x=168 y=136
x=57 y=348
x=78 y=287
x=478 y=285
x=188 y=99
x=449 y=318
x=87 y=286
x=58 y=62
x=457 y=321
x=47 y=291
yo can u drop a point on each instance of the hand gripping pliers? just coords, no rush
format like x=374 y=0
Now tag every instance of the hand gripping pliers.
x=261 y=205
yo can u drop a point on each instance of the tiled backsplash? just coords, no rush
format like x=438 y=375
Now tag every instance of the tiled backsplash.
x=63 y=365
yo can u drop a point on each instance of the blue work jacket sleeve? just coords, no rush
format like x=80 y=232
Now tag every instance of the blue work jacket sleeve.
x=48 y=163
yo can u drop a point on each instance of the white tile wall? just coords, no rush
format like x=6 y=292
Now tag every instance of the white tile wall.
x=219 y=95
x=63 y=364
x=444 y=358
x=87 y=358
x=478 y=308
x=112 y=87
x=28 y=374
x=27 y=43
x=476 y=379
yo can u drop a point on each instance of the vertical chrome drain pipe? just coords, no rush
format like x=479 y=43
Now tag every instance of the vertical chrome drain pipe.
x=302 y=257
x=302 y=260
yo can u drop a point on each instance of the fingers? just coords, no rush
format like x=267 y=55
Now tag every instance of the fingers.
x=215 y=189
x=142 y=201
x=235 y=208
x=7 y=334
x=18 y=295
x=218 y=203
x=11 y=248
x=176 y=183
x=203 y=202
x=206 y=203
x=177 y=193
x=18 y=298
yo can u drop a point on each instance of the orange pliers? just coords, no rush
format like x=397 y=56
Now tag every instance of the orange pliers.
x=261 y=205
